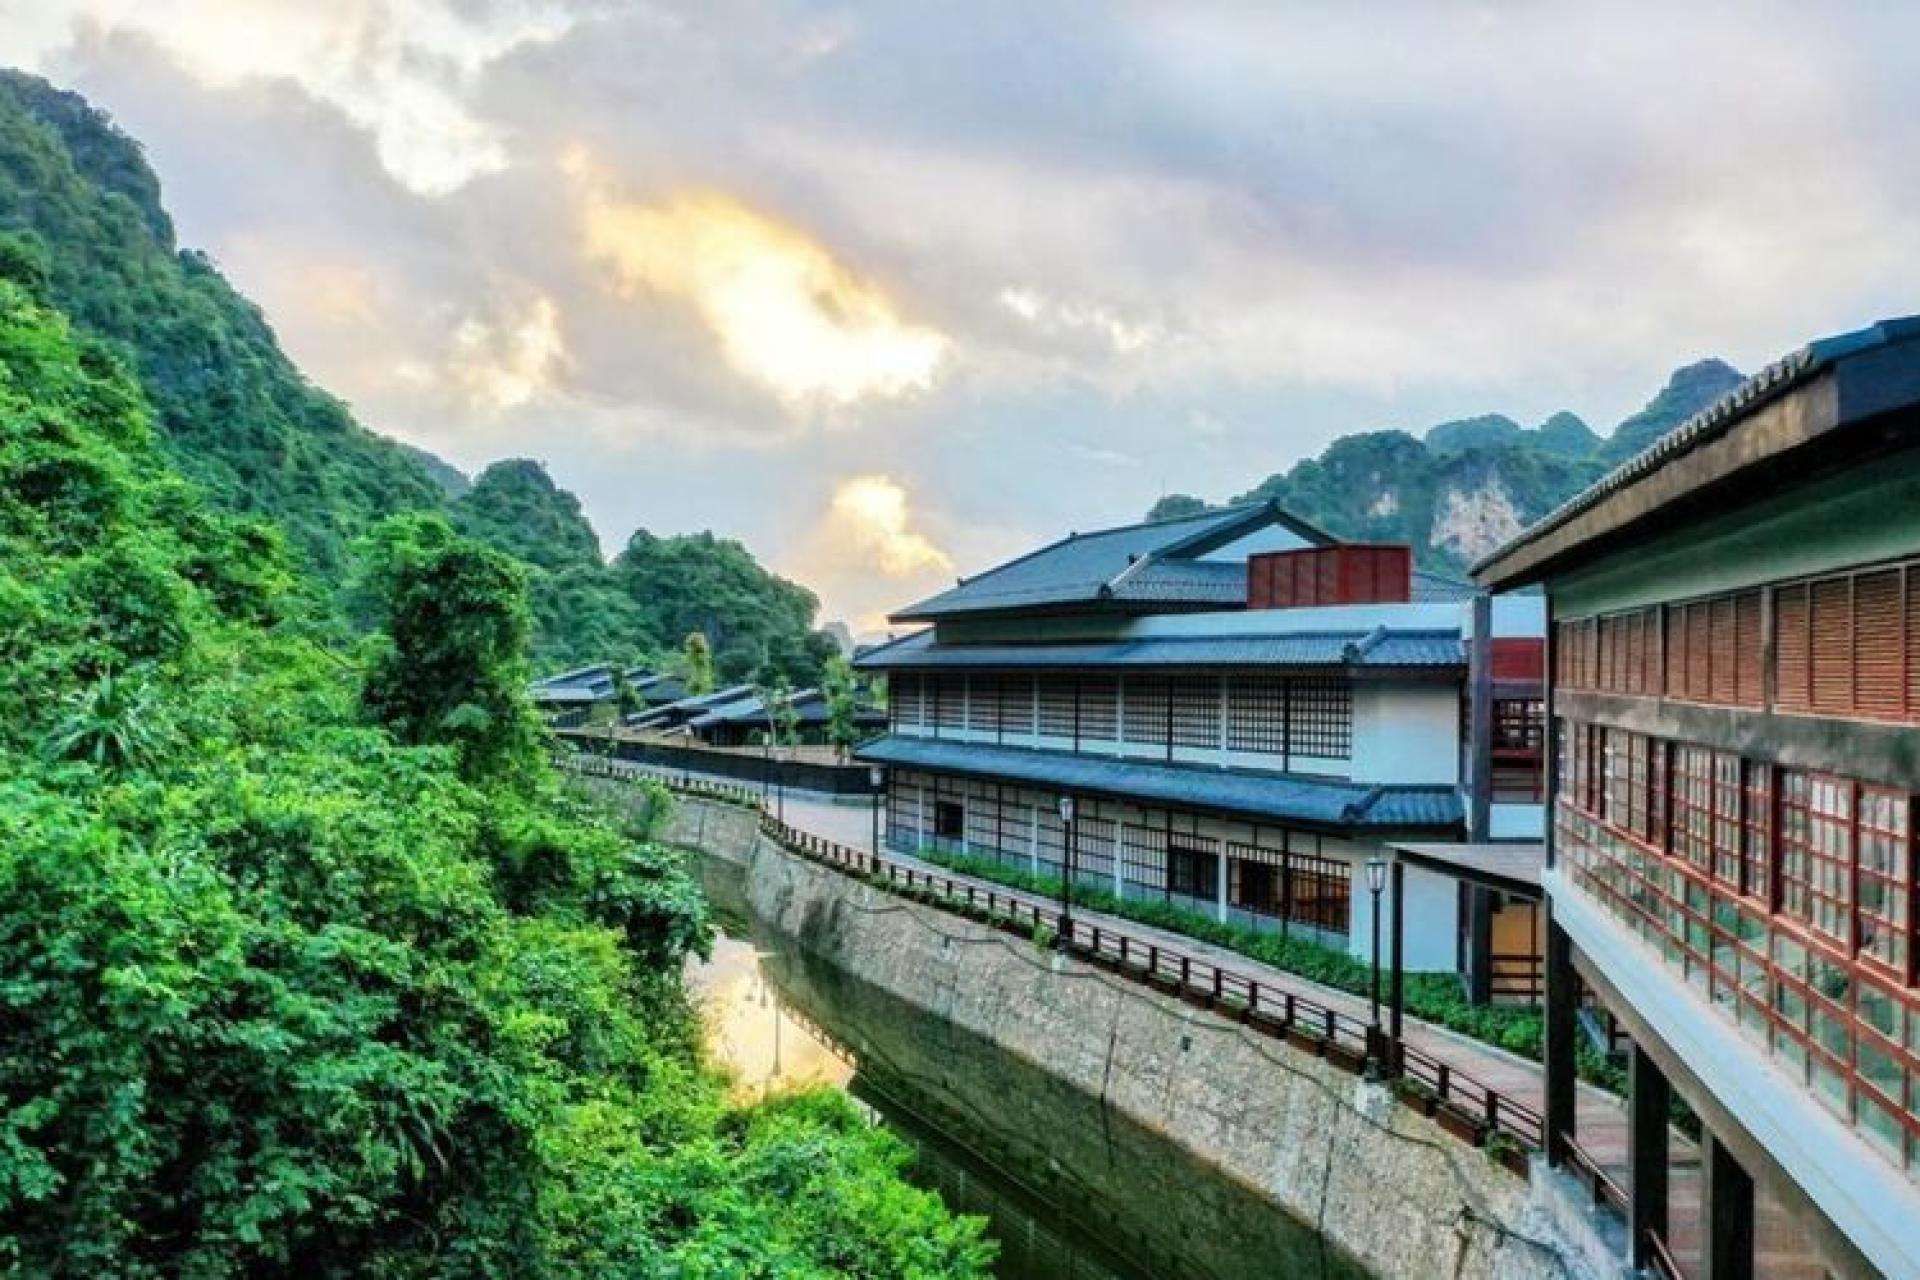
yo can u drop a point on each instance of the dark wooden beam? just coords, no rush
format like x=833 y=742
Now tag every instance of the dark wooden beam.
x=1563 y=1004
x=1886 y=754
x=1727 y=1209
x=1648 y=1100
x=1397 y=987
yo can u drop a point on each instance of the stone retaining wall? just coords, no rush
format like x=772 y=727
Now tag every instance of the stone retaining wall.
x=1384 y=1184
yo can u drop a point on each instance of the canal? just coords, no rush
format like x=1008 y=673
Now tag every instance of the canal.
x=1071 y=1190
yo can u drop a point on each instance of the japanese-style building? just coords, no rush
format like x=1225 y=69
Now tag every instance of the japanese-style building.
x=1734 y=699
x=1240 y=707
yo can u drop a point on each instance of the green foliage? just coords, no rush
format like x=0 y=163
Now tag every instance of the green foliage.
x=841 y=691
x=696 y=663
x=758 y=625
x=113 y=722
x=285 y=992
x=453 y=669
x=1175 y=506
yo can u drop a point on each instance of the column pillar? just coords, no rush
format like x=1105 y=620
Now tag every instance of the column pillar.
x=1396 y=985
x=1220 y=882
x=1647 y=1098
x=1727 y=1210
x=1563 y=1003
x=1479 y=944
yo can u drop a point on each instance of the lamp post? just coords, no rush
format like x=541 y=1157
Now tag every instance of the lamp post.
x=878 y=777
x=1066 y=870
x=1376 y=881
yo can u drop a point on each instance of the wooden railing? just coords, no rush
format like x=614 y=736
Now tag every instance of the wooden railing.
x=1660 y=1260
x=1606 y=1191
x=1462 y=1104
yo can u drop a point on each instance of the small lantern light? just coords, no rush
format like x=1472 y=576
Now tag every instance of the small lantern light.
x=1066 y=809
x=876 y=775
x=1376 y=874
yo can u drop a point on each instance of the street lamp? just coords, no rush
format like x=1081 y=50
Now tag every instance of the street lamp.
x=1066 y=869
x=878 y=777
x=1376 y=881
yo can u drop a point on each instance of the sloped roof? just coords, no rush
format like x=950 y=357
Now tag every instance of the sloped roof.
x=1434 y=588
x=1318 y=802
x=592 y=683
x=1151 y=562
x=809 y=707
x=1379 y=648
x=1784 y=376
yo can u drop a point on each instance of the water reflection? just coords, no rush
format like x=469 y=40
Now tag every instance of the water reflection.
x=767 y=1044
x=751 y=1030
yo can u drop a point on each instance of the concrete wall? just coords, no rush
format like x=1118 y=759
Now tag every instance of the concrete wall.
x=1382 y=1183
x=1406 y=733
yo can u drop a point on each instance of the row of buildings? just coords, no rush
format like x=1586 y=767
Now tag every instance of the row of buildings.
x=660 y=705
x=1665 y=755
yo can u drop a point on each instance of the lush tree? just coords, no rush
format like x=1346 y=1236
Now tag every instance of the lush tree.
x=696 y=663
x=842 y=694
x=758 y=624
x=453 y=668
x=286 y=989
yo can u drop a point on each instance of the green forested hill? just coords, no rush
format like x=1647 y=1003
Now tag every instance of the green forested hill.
x=81 y=218
x=234 y=413
x=308 y=965
x=1463 y=488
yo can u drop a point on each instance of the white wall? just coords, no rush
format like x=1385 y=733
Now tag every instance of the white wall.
x=1431 y=923
x=1517 y=821
x=1406 y=733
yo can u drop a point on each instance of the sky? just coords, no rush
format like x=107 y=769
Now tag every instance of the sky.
x=893 y=291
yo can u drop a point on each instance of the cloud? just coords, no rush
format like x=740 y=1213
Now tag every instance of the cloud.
x=499 y=362
x=867 y=547
x=869 y=519
x=786 y=313
x=404 y=70
x=921 y=242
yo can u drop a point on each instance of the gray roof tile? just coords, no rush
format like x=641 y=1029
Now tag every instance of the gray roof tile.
x=1318 y=802
x=1380 y=648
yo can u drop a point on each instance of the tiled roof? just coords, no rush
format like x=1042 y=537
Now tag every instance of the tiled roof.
x=1313 y=801
x=1379 y=648
x=1434 y=588
x=1137 y=562
x=1715 y=420
x=589 y=684
x=809 y=705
